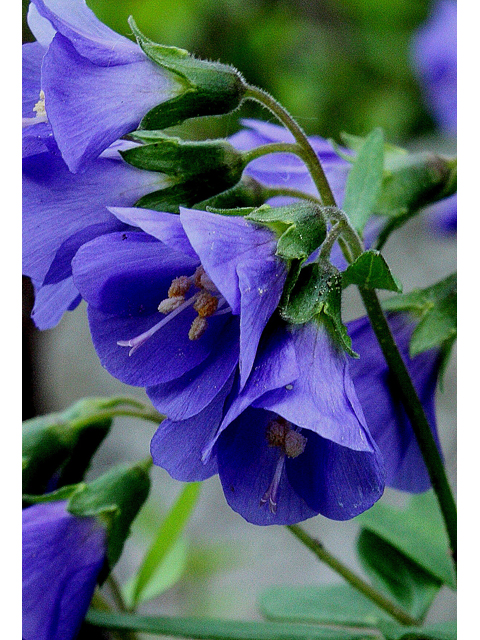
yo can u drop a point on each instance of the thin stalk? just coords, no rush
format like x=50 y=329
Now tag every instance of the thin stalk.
x=143 y=414
x=416 y=414
x=305 y=151
x=116 y=593
x=274 y=147
x=355 y=581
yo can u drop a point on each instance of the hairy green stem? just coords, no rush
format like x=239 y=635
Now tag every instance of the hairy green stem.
x=305 y=150
x=352 y=578
x=266 y=149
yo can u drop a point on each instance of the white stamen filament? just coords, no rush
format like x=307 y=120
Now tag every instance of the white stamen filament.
x=272 y=491
x=137 y=342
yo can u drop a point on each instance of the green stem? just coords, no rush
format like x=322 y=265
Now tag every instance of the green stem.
x=272 y=192
x=355 y=581
x=265 y=149
x=99 y=603
x=144 y=413
x=116 y=593
x=416 y=414
x=305 y=151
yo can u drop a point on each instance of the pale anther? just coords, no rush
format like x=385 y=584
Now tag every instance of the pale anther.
x=294 y=444
x=206 y=304
x=179 y=287
x=198 y=328
x=169 y=304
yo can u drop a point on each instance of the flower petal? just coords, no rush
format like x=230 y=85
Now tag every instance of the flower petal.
x=246 y=465
x=51 y=302
x=187 y=396
x=62 y=557
x=90 y=106
x=177 y=446
x=384 y=411
x=159 y=224
x=58 y=204
x=91 y=38
x=323 y=398
x=336 y=481
x=222 y=243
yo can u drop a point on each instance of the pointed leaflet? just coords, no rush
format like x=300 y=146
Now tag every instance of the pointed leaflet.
x=371 y=270
x=365 y=181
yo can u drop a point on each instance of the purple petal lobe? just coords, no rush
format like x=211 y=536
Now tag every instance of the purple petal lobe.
x=261 y=286
x=246 y=465
x=159 y=224
x=51 y=302
x=50 y=190
x=222 y=243
x=90 y=106
x=384 y=411
x=186 y=396
x=336 y=481
x=323 y=398
x=178 y=446
x=62 y=557
x=90 y=37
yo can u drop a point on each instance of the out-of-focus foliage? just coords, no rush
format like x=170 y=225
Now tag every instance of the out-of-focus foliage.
x=336 y=65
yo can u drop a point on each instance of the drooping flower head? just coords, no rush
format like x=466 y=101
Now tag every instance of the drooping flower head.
x=97 y=85
x=62 y=558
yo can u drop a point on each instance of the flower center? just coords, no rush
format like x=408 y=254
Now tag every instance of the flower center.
x=204 y=303
x=291 y=444
x=39 y=109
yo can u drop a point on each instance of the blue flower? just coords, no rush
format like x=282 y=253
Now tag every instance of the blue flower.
x=384 y=411
x=160 y=316
x=96 y=85
x=435 y=59
x=291 y=444
x=62 y=558
x=62 y=211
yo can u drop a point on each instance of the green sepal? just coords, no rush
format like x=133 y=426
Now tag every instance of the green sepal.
x=205 y=88
x=371 y=270
x=61 y=444
x=246 y=193
x=315 y=291
x=114 y=499
x=436 y=306
x=176 y=157
x=64 y=493
x=364 y=181
x=300 y=228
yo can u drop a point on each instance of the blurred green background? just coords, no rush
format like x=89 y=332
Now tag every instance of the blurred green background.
x=336 y=65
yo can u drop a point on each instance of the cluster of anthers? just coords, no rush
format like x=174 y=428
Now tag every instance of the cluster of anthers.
x=291 y=443
x=39 y=109
x=206 y=301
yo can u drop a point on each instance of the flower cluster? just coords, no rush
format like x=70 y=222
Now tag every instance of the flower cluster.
x=187 y=305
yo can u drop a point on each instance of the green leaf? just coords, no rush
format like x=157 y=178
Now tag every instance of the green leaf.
x=335 y=605
x=410 y=585
x=437 y=308
x=371 y=270
x=168 y=534
x=211 y=629
x=365 y=180
x=64 y=493
x=417 y=532
x=355 y=143
x=167 y=573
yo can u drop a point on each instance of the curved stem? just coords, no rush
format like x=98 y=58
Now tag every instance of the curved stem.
x=305 y=151
x=352 y=578
x=274 y=147
x=272 y=192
